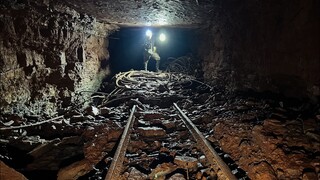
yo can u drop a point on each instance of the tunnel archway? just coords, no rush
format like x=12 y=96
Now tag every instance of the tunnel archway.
x=126 y=47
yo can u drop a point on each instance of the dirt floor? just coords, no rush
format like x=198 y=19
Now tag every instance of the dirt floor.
x=259 y=136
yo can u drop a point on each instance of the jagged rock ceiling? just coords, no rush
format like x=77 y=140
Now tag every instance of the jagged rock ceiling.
x=147 y=12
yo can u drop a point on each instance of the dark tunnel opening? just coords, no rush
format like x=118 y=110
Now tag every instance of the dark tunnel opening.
x=126 y=47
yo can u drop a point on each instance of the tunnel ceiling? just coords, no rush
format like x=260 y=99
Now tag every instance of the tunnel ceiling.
x=147 y=12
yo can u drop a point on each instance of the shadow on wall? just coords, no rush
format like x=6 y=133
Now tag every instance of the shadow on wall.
x=266 y=46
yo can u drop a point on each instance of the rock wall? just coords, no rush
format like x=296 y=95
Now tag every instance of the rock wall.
x=50 y=56
x=264 y=46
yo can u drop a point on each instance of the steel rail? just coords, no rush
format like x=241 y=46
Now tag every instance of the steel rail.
x=117 y=161
x=207 y=149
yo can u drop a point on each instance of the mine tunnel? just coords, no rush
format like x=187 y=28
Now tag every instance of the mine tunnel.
x=159 y=89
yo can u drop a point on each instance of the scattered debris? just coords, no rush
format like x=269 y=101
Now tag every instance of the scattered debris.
x=257 y=137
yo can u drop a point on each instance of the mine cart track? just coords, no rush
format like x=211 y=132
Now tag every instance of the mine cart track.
x=116 y=165
x=207 y=149
x=213 y=158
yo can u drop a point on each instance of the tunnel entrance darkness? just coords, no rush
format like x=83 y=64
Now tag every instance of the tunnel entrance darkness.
x=126 y=47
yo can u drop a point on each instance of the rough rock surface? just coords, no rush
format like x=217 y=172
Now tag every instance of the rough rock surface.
x=50 y=56
x=274 y=150
x=264 y=46
x=147 y=12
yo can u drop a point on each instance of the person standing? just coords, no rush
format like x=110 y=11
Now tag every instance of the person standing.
x=150 y=51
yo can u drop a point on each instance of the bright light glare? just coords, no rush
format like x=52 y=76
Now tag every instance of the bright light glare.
x=149 y=33
x=162 y=37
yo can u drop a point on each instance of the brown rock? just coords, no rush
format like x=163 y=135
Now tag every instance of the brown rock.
x=199 y=175
x=169 y=124
x=263 y=170
x=104 y=110
x=101 y=140
x=203 y=160
x=152 y=115
x=162 y=170
x=156 y=145
x=183 y=134
x=97 y=149
x=177 y=176
x=7 y=173
x=136 y=175
x=309 y=176
x=151 y=132
x=134 y=146
x=186 y=162
x=75 y=170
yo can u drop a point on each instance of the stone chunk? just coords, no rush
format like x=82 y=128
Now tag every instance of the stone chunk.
x=48 y=156
x=186 y=162
x=100 y=141
x=104 y=110
x=153 y=115
x=136 y=175
x=177 y=176
x=162 y=170
x=203 y=160
x=77 y=118
x=75 y=170
x=9 y=173
x=151 y=132
x=92 y=111
x=309 y=176
x=134 y=146
x=169 y=124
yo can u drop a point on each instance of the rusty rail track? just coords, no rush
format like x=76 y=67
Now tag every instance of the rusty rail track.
x=211 y=155
x=116 y=165
x=206 y=148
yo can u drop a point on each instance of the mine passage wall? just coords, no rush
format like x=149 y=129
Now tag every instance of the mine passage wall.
x=264 y=46
x=50 y=56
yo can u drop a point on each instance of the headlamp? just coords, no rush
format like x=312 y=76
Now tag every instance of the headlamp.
x=149 y=33
x=162 y=37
